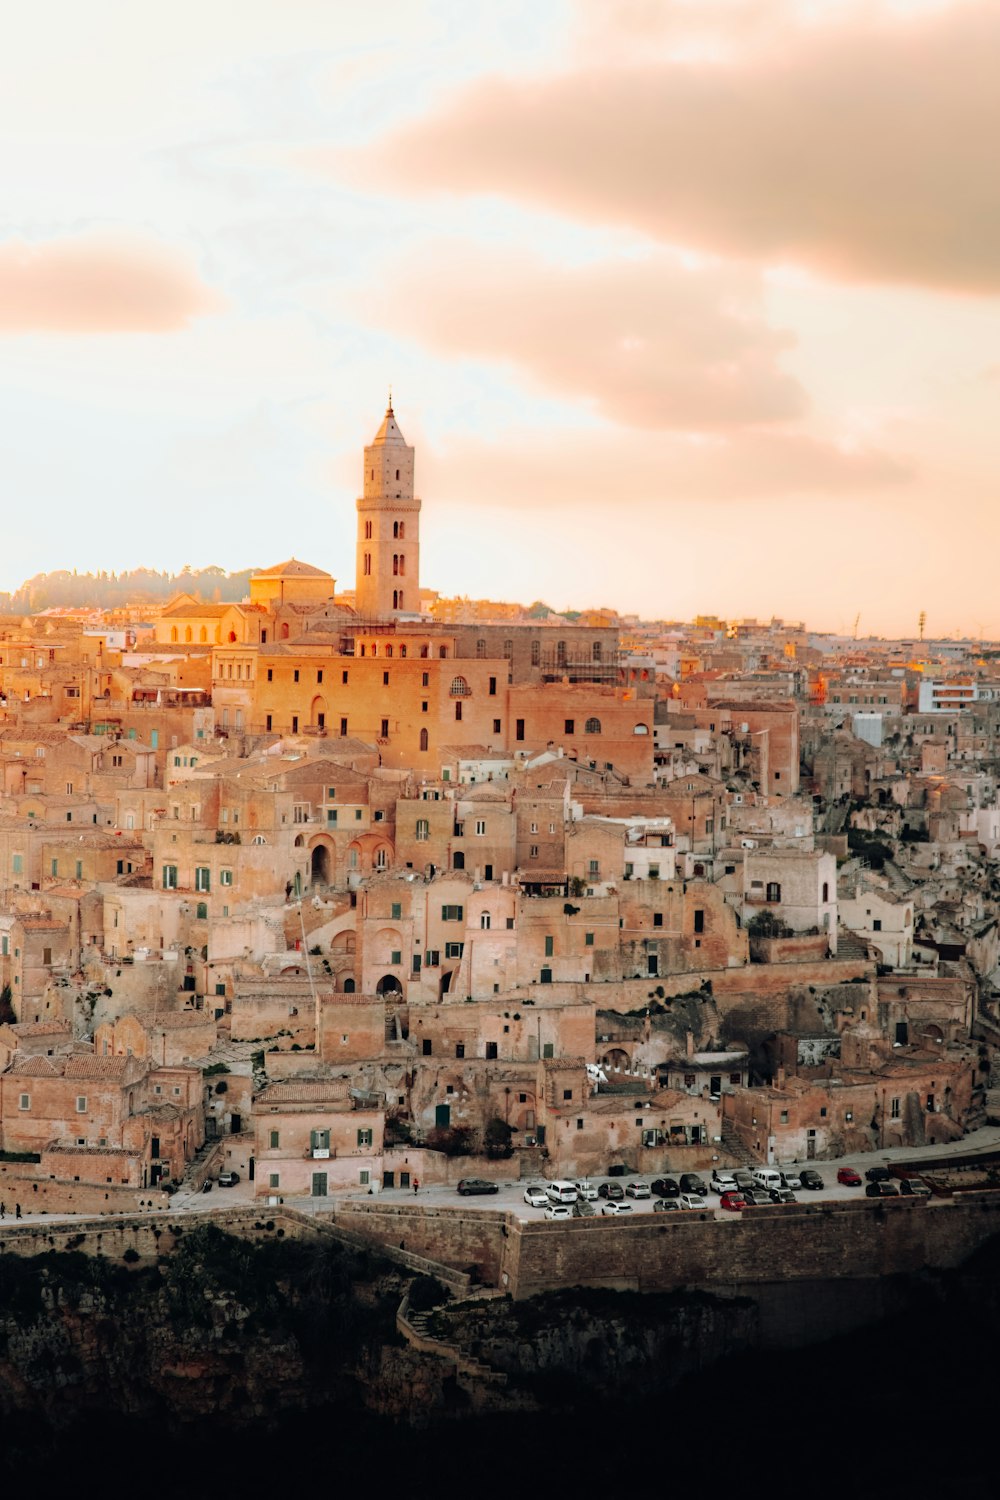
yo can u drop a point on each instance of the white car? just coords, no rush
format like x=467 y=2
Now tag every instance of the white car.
x=638 y=1190
x=586 y=1190
x=536 y=1197
x=613 y=1207
x=559 y=1211
x=690 y=1200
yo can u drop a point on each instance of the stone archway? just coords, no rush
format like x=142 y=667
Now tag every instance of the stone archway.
x=320 y=865
x=388 y=985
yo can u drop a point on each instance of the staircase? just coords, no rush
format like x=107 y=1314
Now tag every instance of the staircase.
x=733 y=1142
x=415 y=1328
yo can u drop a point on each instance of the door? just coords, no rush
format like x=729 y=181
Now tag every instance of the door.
x=442 y=1116
x=811 y=1146
x=404 y=1179
x=319 y=1184
x=388 y=1179
x=715 y=1085
x=237 y=1124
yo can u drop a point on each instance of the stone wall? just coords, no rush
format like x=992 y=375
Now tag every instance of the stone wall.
x=467 y=1240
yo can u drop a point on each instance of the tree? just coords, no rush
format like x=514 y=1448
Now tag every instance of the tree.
x=497 y=1138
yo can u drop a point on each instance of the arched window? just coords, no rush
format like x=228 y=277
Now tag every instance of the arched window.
x=395 y=598
x=641 y=729
x=423 y=739
x=348 y=986
x=484 y=921
x=367 y=567
x=187 y=632
x=388 y=650
x=459 y=687
x=402 y=530
x=352 y=858
x=203 y=634
x=402 y=650
x=202 y=911
x=400 y=604
x=173 y=633
x=395 y=564
x=423 y=830
x=368 y=531
x=480 y=648
x=592 y=726
x=458 y=861
x=381 y=859
x=826 y=891
x=300 y=841
x=258 y=838
x=395 y=528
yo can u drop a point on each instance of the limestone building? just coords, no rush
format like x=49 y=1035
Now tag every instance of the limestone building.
x=388 y=560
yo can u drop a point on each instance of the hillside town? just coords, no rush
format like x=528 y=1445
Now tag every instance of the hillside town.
x=356 y=889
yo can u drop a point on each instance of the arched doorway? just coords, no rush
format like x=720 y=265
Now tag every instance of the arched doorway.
x=320 y=865
x=388 y=985
x=317 y=713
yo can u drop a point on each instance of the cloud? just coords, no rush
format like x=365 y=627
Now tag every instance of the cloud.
x=99 y=283
x=649 y=343
x=639 y=479
x=864 y=151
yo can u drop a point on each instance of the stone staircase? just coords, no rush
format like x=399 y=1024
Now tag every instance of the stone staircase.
x=469 y=1371
x=993 y=1105
x=735 y=1146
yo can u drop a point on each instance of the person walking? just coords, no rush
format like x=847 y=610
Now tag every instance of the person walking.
x=3 y=1210
x=17 y=1210
x=416 y=1186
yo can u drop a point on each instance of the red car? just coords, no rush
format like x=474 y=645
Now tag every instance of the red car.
x=848 y=1177
x=733 y=1201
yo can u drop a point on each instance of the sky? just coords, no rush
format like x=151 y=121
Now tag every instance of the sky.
x=688 y=306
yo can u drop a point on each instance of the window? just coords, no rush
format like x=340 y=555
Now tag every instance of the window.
x=275 y=1139
x=295 y=723
x=496 y=726
x=699 y=920
x=432 y=958
x=385 y=729
x=453 y=950
x=459 y=687
x=894 y=1108
x=588 y=938
x=202 y=878
x=773 y=890
x=81 y=1104
x=424 y=739
x=365 y=1137
x=519 y=729
x=17 y=864
x=784 y=1117
x=225 y=877
x=569 y=726
x=343 y=729
x=548 y=1049
x=493 y=687
x=397 y=911
x=533 y=851
x=459 y=1049
x=423 y=830
x=458 y=709
x=484 y=921
x=24 y=1101
x=274 y=1179
x=452 y=913
x=657 y=919
x=201 y=911
x=592 y=726
x=480 y=826
x=549 y=947
x=169 y=877
x=295 y=674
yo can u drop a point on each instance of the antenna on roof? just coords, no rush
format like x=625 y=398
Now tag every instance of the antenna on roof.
x=390 y=398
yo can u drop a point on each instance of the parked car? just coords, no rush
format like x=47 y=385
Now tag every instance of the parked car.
x=559 y=1211
x=665 y=1205
x=228 y=1179
x=611 y=1190
x=690 y=1200
x=692 y=1183
x=615 y=1207
x=757 y=1198
x=665 y=1187
x=792 y=1181
x=735 y=1202
x=744 y=1179
x=723 y=1182
x=470 y=1185
x=878 y=1174
x=586 y=1189
x=914 y=1187
x=637 y=1190
x=811 y=1178
x=583 y=1209
x=847 y=1177
x=782 y=1195
x=536 y=1197
x=561 y=1192
x=880 y=1189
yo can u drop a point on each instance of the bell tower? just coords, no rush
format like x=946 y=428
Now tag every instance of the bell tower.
x=388 y=566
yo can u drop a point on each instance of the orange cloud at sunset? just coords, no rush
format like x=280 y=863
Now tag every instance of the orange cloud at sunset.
x=98 y=283
x=864 y=152
x=650 y=343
